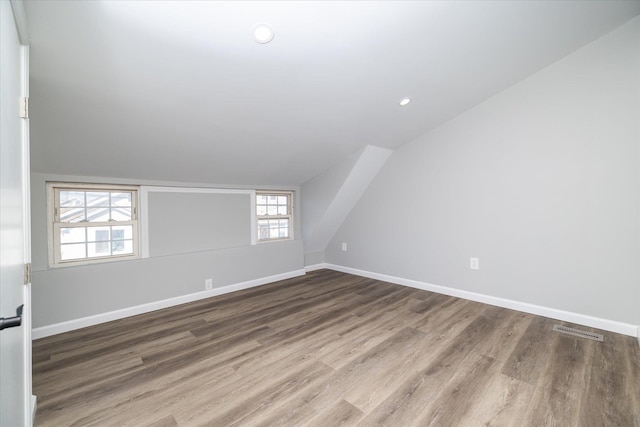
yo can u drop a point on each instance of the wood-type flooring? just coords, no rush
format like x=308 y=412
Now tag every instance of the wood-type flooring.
x=332 y=349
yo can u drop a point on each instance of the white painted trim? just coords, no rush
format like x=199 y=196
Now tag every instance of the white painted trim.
x=567 y=316
x=84 y=322
x=143 y=208
x=158 y=189
x=143 y=221
x=26 y=154
x=315 y=267
x=21 y=23
x=290 y=215
x=54 y=223
x=254 y=219
x=604 y=324
x=50 y=221
x=27 y=354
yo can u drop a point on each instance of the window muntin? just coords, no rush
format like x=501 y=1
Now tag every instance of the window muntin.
x=93 y=223
x=274 y=213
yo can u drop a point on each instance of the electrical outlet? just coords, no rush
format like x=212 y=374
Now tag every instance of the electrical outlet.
x=344 y=247
x=474 y=263
x=208 y=284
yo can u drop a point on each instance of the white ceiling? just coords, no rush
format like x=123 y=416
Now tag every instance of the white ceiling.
x=180 y=91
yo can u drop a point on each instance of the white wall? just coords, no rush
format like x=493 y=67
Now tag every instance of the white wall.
x=329 y=197
x=319 y=192
x=316 y=196
x=72 y=293
x=541 y=182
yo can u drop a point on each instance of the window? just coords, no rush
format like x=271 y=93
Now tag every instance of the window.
x=92 y=223
x=275 y=215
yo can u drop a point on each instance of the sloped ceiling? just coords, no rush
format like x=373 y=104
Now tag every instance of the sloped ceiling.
x=180 y=91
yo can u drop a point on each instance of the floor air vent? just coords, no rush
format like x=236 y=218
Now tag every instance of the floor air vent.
x=578 y=333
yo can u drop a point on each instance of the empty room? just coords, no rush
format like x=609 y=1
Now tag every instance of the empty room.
x=320 y=213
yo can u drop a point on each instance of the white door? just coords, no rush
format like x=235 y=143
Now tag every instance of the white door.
x=15 y=342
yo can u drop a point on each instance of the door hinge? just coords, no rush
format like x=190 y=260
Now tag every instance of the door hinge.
x=24 y=107
x=27 y=273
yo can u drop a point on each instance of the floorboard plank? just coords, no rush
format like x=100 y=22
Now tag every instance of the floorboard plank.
x=328 y=349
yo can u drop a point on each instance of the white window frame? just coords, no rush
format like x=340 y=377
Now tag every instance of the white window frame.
x=289 y=215
x=54 y=225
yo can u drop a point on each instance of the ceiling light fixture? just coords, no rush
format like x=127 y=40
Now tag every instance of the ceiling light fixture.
x=405 y=101
x=263 y=33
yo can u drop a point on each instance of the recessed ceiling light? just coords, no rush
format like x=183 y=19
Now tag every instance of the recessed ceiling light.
x=263 y=33
x=405 y=101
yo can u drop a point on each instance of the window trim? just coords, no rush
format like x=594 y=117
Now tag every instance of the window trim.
x=53 y=227
x=290 y=194
x=143 y=210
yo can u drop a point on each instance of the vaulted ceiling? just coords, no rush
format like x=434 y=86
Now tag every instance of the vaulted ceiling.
x=180 y=91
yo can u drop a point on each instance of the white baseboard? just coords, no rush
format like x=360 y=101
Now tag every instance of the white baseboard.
x=315 y=267
x=567 y=316
x=581 y=319
x=70 y=325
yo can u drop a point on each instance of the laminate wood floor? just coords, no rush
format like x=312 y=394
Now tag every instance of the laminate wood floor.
x=330 y=349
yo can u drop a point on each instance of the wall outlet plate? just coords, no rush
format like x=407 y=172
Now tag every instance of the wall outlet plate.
x=344 y=247
x=474 y=263
x=208 y=284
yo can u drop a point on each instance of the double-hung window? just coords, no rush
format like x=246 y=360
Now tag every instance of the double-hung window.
x=92 y=223
x=274 y=210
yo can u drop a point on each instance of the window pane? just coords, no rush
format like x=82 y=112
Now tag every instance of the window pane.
x=72 y=214
x=98 y=234
x=283 y=228
x=263 y=229
x=122 y=247
x=98 y=214
x=97 y=249
x=122 y=232
x=91 y=222
x=73 y=251
x=121 y=214
x=72 y=235
x=273 y=205
x=95 y=198
x=71 y=198
x=273 y=229
x=121 y=199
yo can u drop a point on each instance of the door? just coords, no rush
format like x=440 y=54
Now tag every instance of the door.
x=15 y=342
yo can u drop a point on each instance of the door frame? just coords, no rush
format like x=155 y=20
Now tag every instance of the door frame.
x=26 y=221
x=20 y=19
